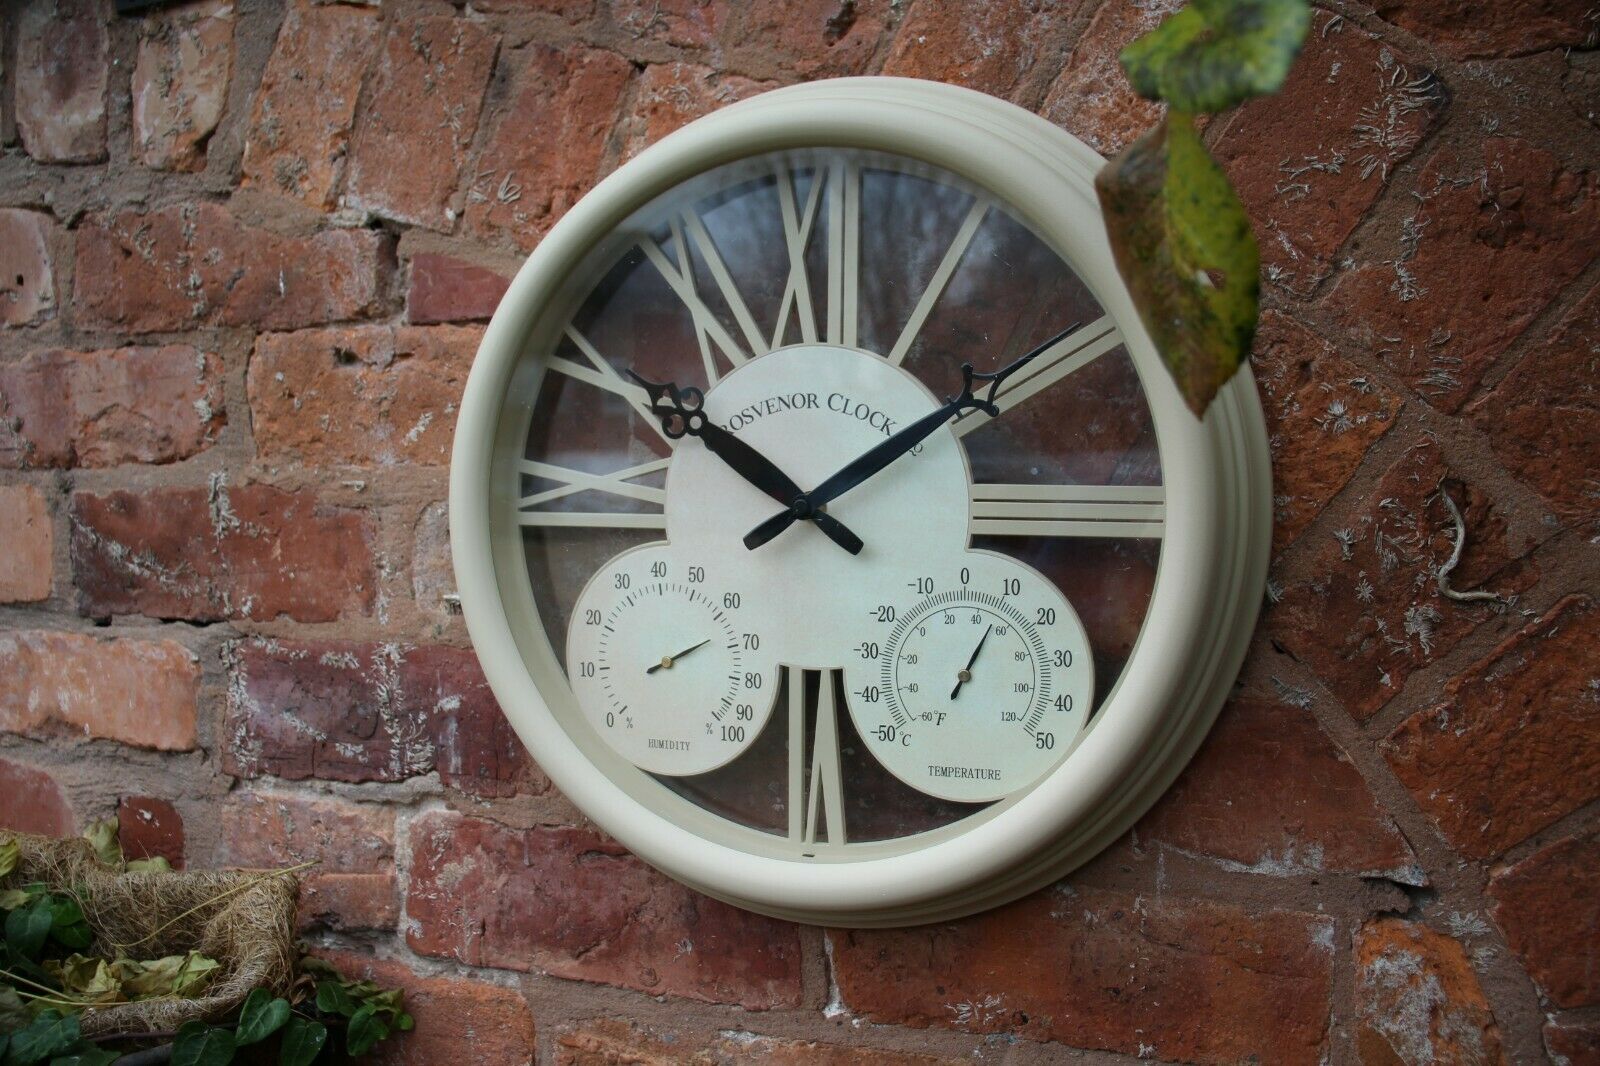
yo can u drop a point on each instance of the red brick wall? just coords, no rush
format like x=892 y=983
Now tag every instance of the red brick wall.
x=220 y=498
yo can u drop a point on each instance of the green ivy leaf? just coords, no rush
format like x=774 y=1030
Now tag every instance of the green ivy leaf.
x=102 y=836
x=302 y=1042
x=87 y=1055
x=67 y=924
x=1184 y=246
x=10 y=855
x=261 y=1016
x=27 y=927
x=199 y=1044
x=49 y=1034
x=1217 y=53
x=13 y=1013
x=332 y=998
x=405 y=1022
x=365 y=1029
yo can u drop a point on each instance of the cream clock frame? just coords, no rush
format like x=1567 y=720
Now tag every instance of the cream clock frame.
x=1207 y=590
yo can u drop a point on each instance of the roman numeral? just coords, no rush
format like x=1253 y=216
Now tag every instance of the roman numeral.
x=680 y=277
x=816 y=793
x=617 y=483
x=844 y=250
x=602 y=375
x=1073 y=352
x=1068 y=510
x=797 y=226
x=937 y=283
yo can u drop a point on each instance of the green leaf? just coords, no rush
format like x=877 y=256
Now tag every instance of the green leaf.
x=102 y=836
x=319 y=968
x=302 y=1041
x=405 y=1022
x=332 y=998
x=12 y=898
x=365 y=1029
x=262 y=1016
x=194 y=974
x=13 y=1014
x=88 y=1055
x=1184 y=246
x=1217 y=53
x=90 y=980
x=155 y=864
x=10 y=855
x=27 y=927
x=49 y=1034
x=199 y=1044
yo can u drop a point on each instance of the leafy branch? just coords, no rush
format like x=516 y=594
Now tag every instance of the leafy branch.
x=1180 y=236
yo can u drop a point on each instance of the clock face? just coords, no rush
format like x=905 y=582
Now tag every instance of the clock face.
x=826 y=507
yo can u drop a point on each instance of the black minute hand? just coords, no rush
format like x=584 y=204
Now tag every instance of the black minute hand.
x=875 y=459
x=681 y=415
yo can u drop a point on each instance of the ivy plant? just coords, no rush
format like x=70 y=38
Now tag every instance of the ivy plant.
x=1180 y=236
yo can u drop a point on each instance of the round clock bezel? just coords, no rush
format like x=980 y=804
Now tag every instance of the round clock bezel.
x=1209 y=583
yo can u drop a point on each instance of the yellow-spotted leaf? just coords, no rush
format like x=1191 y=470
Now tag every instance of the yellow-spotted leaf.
x=1184 y=246
x=1216 y=53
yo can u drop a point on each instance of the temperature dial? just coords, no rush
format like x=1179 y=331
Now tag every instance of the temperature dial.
x=664 y=662
x=980 y=686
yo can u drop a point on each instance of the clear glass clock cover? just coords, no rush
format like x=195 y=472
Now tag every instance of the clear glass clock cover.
x=791 y=273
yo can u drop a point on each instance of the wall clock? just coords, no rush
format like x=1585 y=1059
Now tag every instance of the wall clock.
x=825 y=523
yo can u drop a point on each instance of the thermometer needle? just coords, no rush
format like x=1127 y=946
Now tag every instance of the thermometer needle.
x=965 y=673
x=667 y=660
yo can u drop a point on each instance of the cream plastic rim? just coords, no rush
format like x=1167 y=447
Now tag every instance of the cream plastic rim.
x=1209 y=581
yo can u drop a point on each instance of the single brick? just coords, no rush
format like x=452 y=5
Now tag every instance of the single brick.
x=1092 y=98
x=446 y=289
x=365 y=395
x=177 y=268
x=981 y=45
x=200 y=554
x=34 y=802
x=180 y=83
x=565 y=96
x=1306 y=811
x=1468 y=29
x=27 y=273
x=671 y=95
x=419 y=118
x=1513 y=745
x=109 y=407
x=573 y=904
x=28 y=557
x=149 y=827
x=140 y=692
x=1165 y=978
x=1526 y=224
x=1418 y=999
x=610 y=1041
x=300 y=122
x=62 y=63
x=813 y=38
x=370 y=712
x=1573 y=1043
x=1549 y=906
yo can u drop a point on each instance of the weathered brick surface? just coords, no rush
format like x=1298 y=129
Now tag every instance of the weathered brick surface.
x=671 y=95
x=205 y=554
x=1100 y=969
x=353 y=885
x=570 y=903
x=981 y=45
x=149 y=827
x=370 y=712
x=109 y=407
x=1091 y=98
x=557 y=96
x=27 y=271
x=1418 y=998
x=196 y=265
x=420 y=116
x=1514 y=744
x=1366 y=611
x=609 y=1042
x=34 y=802
x=465 y=1022
x=681 y=23
x=365 y=396
x=1526 y=225
x=141 y=692
x=446 y=289
x=1307 y=810
x=29 y=539
x=180 y=82
x=303 y=112
x=1312 y=394
x=1483 y=28
x=61 y=76
x=1308 y=184
x=813 y=38
x=1541 y=418
x=1574 y=1044
x=1549 y=907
